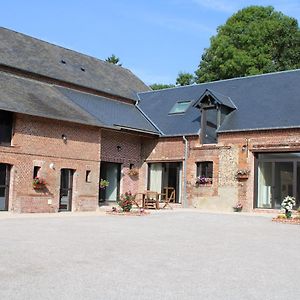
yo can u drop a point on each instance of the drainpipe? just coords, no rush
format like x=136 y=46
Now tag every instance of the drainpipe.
x=186 y=145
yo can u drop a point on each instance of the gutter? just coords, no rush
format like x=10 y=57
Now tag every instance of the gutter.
x=186 y=145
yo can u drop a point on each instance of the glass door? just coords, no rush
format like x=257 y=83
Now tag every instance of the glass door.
x=112 y=173
x=278 y=176
x=4 y=186
x=283 y=182
x=66 y=189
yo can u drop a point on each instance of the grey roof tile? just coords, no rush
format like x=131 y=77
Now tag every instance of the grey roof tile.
x=39 y=99
x=110 y=112
x=30 y=54
x=263 y=102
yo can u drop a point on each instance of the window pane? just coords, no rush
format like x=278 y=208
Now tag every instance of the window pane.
x=205 y=169
x=180 y=107
x=283 y=182
x=210 y=136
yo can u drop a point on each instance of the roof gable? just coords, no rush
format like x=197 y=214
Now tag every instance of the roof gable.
x=212 y=96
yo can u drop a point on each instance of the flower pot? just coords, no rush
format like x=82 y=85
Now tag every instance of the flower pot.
x=237 y=209
x=38 y=186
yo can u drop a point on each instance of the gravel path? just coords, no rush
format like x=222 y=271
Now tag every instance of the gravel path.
x=167 y=255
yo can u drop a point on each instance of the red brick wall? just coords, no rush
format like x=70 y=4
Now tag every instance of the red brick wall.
x=38 y=142
x=123 y=148
x=227 y=157
x=255 y=142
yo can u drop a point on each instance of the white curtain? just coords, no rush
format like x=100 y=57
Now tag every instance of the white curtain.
x=264 y=185
x=155 y=177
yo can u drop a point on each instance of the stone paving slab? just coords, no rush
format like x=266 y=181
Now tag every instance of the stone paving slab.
x=178 y=254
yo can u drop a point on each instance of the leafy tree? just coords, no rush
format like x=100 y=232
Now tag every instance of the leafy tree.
x=160 y=86
x=185 y=79
x=113 y=60
x=255 y=40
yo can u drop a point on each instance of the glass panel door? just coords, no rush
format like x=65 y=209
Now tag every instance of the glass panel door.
x=112 y=173
x=66 y=189
x=264 y=195
x=283 y=182
x=4 y=186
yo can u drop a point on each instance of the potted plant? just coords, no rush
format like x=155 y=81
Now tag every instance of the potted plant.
x=126 y=201
x=287 y=204
x=201 y=180
x=238 y=207
x=242 y=174
x=133 y=172
x=38 y=183
x=103 y=183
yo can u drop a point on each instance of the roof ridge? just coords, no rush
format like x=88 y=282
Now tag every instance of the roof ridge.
x=222 y=80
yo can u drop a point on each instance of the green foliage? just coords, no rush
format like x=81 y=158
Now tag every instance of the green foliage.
x=160 y=86
x=113 y=60
x=185 y=79
x=253 y=41
x=103 y=183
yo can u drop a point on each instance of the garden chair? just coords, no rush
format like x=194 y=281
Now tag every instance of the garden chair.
x=169 y=193
x=151 y=200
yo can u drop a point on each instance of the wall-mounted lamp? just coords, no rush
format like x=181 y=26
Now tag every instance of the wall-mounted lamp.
x=244 y=148
x=119 y=148
x=52 y=166
x=64 y=138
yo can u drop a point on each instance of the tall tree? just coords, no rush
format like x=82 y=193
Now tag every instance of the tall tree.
x=255 y=40
x=185 y=79
x=160 y=86
x=113 y=60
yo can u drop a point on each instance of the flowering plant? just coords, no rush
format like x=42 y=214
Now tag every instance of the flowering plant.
x=38 y=182
x=239 y=205
x=125 y=201
x=133 y=172
x=287 y=204
x=242 y=172
x=203 y=180
x=103 y=183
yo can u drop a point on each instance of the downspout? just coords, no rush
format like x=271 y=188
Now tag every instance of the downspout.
x=186 y=148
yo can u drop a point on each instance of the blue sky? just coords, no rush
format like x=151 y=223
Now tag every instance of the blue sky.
x=154 y=39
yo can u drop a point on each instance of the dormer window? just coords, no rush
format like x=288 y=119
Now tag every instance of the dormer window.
x=214 y=108
x=180 y=107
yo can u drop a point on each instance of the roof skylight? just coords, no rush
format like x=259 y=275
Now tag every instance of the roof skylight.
x=180 y=107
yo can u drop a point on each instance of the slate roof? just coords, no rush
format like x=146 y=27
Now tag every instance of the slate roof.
x=108 y=112
x=266 y=101
x=30 y=54
x=27 y=96
x=39 y=99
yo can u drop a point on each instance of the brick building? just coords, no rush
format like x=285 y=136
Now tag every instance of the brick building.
x=71 y=119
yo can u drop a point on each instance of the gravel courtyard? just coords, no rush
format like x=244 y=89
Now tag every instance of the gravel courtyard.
x=179 y=254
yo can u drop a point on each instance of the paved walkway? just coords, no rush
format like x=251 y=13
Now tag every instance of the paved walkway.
x=179 y=254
